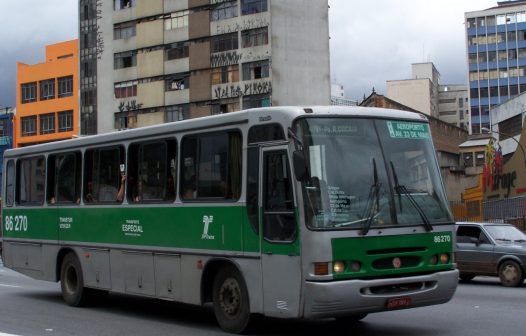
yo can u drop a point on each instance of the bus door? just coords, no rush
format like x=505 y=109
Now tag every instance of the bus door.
x=280 y=252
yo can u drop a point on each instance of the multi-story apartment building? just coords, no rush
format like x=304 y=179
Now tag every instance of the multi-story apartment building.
x=338 y=96
x=424 y=93
x=496 y=55
x=47 y=97
x=420 y=92
x=146 y=62
x=453 y=105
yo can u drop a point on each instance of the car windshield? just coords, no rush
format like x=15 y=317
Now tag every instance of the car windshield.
x=506 y=234
x=367 y=173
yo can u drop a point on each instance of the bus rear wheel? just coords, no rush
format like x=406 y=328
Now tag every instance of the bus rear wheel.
x=231 y=305
x=72 y=282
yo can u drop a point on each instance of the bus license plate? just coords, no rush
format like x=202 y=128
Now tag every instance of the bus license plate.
x=398 y=303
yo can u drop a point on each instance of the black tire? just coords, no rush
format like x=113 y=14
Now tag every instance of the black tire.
x=510 y=274
x=466 y=277
x=72 y=281
x=231 y=304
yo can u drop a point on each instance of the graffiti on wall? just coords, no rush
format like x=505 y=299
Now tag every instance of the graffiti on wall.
x=225 y=58
x=239 y=90
x=129 y=106
x=251 y=23
x=100 y=39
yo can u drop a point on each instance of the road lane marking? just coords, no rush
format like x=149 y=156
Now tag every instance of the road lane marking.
x=4 y=334
x=12 y=286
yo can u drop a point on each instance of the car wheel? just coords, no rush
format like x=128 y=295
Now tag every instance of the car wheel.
x=466 y=277
x=510 y=274
x=230 y=300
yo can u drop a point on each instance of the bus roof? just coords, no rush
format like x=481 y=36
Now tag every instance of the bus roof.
x=252 y=116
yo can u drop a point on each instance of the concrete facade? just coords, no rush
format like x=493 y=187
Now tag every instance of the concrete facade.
x=420 y=92
x=453 y=105
x=165 y=60
x=508 y=122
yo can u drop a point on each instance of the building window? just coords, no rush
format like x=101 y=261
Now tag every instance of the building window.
x=29 y=92
x=176 y=20
x=226 y=106
x=256 y=70
x=177 y=112
x=253 y=101
x=480 y=158
x=124 y=30
x=468 y=159
x=65 y=121
x=47 y=89
x=253 y=6
x=223 y=11
x=224 y=42
x=177 y=51
x=254 y=37
x=65 y=86
x=125 y=89
x=178 y=82
x=4 y=130
x=47 y=123
x=125 y=60
x=226 y=74
x=123 y=4
x=29 y=126
x=510 y=127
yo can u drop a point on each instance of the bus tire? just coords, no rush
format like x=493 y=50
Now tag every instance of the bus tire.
x=72 y=281
x=230 y=300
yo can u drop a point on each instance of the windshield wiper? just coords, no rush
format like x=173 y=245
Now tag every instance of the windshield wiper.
x=373 y=202
x=401 y=189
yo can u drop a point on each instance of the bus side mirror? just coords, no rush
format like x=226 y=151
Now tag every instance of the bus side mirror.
x=300 y=166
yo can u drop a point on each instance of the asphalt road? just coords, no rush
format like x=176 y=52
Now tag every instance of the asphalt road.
x=29 y=307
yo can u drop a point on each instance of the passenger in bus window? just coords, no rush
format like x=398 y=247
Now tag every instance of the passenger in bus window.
x=170 y=188
x=89 y=193
x=120 y=193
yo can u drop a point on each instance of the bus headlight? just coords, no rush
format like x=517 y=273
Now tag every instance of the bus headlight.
x=338 y=267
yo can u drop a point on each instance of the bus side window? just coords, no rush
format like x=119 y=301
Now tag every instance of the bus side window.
x=103 y=177
x=10 y=183
x=30 y=181
x=63 y=180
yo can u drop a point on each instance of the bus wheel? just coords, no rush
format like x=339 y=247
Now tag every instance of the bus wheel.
x=231 y=306
x=510 y=274
x=71 y=281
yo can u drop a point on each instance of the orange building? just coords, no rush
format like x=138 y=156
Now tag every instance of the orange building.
x=47 y=97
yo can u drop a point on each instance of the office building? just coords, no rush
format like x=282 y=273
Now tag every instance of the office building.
x=496 y=55
x=46 y=98
x=146 y=62
x=453 y=105
x=420 y=92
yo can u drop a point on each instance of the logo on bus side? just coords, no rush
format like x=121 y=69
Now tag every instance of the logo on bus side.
x=207 y=220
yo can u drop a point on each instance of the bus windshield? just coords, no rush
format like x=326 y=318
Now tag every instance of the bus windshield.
x=370 y=173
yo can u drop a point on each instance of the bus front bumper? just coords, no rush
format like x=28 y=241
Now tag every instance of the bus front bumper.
x=349 y=297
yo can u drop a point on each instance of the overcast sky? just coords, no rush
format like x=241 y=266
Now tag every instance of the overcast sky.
x=371 y=41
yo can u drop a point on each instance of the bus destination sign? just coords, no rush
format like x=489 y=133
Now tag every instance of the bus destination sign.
x=408 y=130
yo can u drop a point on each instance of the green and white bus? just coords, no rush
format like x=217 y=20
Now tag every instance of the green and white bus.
x=285 y=212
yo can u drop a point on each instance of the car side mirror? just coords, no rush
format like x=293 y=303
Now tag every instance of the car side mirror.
x=300 y=166
x=474 y=241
